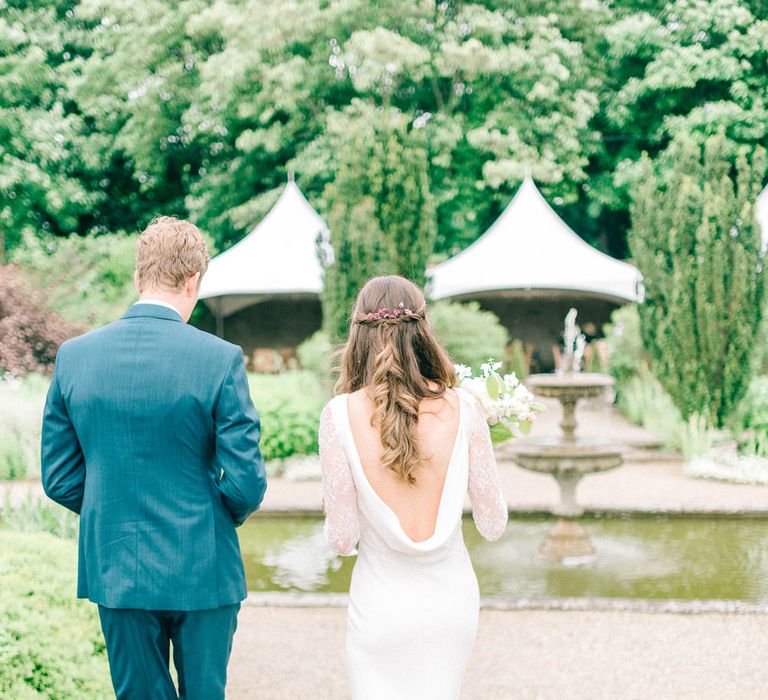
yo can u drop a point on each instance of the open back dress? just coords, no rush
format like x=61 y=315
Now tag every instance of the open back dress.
x=413 y=606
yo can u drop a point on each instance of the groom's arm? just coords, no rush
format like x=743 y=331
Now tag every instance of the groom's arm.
x=62 y=459
x=238 y=431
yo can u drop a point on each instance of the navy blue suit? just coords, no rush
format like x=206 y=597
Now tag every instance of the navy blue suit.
x=150 y=434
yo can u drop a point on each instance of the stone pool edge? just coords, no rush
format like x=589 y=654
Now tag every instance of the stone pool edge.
x=297 y=599
x=546 y=512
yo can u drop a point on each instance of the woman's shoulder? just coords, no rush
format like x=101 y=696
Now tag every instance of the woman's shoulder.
x=464 y=396
x=334 y=403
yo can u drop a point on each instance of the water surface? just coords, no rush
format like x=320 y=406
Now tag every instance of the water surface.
x=645 y=558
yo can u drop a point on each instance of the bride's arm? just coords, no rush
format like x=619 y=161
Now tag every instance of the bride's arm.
x=342 y=525
x=489 y=508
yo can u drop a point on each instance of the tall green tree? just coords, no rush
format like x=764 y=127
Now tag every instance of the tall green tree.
x=380 y=213
x=695 y=239
x=674 y=68
x=498 y=89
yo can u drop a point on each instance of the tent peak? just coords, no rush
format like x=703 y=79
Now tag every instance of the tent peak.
x=530 y=247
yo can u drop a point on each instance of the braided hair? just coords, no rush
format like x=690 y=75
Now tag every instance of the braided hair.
x=393 y=354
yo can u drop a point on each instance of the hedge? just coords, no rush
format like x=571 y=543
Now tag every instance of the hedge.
x=51 y=644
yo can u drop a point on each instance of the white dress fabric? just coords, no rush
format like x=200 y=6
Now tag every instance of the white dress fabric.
x=413 y=606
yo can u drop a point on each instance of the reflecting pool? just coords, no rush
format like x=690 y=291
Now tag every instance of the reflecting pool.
x=683 y=558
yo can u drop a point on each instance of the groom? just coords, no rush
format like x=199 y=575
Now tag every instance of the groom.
x=150 y=434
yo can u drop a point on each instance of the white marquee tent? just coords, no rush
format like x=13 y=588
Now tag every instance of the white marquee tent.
x=529 y=248
x=277 y=259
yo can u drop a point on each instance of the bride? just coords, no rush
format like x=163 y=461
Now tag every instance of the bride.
x=400 y=449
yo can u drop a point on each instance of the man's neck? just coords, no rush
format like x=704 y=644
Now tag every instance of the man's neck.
x=169 y=300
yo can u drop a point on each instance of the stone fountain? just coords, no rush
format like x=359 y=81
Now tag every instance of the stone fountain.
x=568 y=458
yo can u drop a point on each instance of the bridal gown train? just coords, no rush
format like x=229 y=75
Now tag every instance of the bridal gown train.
x=413 y=606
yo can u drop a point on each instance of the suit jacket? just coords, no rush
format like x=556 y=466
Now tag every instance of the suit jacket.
x=150 y=434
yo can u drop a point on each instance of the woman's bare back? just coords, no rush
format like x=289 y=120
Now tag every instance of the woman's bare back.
x=416 y=506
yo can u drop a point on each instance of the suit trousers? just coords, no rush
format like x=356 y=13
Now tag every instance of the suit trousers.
x=138 y=647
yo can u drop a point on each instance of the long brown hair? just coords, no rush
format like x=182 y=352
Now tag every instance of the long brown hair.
x=393 y=353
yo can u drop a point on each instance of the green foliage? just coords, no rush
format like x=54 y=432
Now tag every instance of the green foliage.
x=316 y=355
x=21 y=416
x=750 y=420
x=469 y=334
x=639 y=395
x=696 y=240
x=643 y=400
x=86 y=279
x=695 y=440
x=626 y=355
x=289 y=406
x=112 y=111
x=380 y=215
x=683 y=68
x=50 y=643
x=35 y=513
x=119 y=110
x=517 y=360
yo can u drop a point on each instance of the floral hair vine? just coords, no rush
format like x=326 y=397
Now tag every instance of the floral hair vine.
x=400 y=313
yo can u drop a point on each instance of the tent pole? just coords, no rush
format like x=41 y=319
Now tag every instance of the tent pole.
x=219 y=320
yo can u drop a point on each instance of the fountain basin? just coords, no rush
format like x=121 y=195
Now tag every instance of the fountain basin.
x=567 y=461
x=579 y=385
x=569 y=388
x=552 y=455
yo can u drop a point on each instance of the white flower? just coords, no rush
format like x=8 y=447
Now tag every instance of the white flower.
x=511 y=381
x=521 y=392
x=462 y=372
x=476 y=387
x=488 y=368
x=514 y=402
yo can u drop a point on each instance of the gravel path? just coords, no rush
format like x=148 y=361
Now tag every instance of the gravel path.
x=292 y=654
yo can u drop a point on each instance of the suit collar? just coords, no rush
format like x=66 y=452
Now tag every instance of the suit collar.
x=153 y=311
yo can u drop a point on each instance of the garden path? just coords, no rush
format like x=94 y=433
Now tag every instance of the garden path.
x=298 y=653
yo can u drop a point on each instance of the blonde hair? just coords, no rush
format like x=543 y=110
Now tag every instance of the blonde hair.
x=393 y=353
x=169 y=252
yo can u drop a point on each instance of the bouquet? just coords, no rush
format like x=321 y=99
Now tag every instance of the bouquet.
x=510 y=408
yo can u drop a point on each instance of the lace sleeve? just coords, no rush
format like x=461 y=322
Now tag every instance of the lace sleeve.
x=489 y=508
x=342 y=526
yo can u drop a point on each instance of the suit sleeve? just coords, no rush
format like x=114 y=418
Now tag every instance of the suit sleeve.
x=62 y=459
x=238 y=431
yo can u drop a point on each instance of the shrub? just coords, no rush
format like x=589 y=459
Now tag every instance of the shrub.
x=51 y=645
x=289 y=405
x=750 y=420
x=469 y=334
x=315 y=355
x=643 y=400
x=696 y=240
x=87 y=279
x=30 y=333
x=21 y=415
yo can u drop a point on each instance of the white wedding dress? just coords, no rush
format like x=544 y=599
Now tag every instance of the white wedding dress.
x=413 y=606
